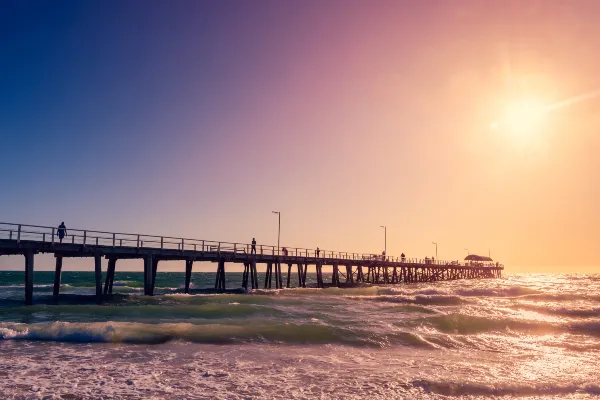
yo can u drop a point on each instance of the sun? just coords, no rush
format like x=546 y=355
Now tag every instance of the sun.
x=521 y=117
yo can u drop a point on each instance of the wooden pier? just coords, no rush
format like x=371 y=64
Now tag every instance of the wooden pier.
x=347 y=268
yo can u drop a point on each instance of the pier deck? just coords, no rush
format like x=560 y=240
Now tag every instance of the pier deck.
x=347 y=268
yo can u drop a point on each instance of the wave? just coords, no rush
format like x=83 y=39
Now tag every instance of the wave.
x=573 y=312
x=441 y=300
x=472 y=325
x=482 y=389
x=257 y=331
x=561 y=297
x=515 y=291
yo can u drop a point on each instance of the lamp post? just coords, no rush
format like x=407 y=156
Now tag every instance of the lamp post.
x=278 y=228
x=436 y=257
x=467 y=250
x=384 y=239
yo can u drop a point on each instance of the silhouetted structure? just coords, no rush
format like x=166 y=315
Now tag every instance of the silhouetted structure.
x=29 y=240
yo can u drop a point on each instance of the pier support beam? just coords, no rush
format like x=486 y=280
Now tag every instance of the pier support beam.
x=335 y=276
x=300 y=282
x=319 y=275
x=349 y=274
x=148 y=275
x=304 y=275
x=28 y=277
x=98 y=273
x=57 y=276
x=254 y=274
x=220 y=281
x=110 y=276
x=188 y=274
x=268 y=276
x=280 y=280
x=246 y=275
x=155 y=261
x=289 y=275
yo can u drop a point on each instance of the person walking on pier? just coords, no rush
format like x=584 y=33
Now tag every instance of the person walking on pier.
x=253 y=246
x=403 y=257
x=318 y=251
x=62 y=231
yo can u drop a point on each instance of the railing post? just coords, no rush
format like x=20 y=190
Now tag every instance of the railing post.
x=84 y=237
x=261 y=250
x=19 y=235
x=43 y=237
x=10 y=235
x=96 y=240
x=161 y=242
x=203 y=246
x=138 y=241
x=194 y=247
x=120 y=242
x=114 y=237
x=182 y=244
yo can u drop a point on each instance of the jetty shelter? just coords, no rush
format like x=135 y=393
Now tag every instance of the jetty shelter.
x=475 y=260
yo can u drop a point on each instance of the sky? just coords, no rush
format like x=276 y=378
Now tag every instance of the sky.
x=199 y=118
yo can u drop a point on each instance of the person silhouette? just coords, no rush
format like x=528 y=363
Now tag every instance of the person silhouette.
x=62 y=231
x=253 y=246
x=318 y=251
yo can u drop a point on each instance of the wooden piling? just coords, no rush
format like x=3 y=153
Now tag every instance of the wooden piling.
x=28 y=277
x=319 y=275
x=335 y=276
x=98 y=274
x=289 y=275
x=223 y=284
x=220 y=280
x=188 y=275
x=57 y=275
x=148 y=275
x=245 y=275
x=253 y=274
x=268 y=274
x=304 y=275
x=279 y=275
x=300 y=268
x=155 y=261
x=110 y=276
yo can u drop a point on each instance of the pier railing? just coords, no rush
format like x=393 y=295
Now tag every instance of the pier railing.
x=86 y=237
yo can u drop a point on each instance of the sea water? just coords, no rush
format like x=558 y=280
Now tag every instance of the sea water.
x=526 y=336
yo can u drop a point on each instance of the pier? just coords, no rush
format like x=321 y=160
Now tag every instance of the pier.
x=348 y=269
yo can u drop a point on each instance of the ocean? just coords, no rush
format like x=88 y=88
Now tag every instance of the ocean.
x=526 y=336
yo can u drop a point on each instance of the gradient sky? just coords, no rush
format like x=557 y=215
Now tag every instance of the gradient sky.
x=198 y=118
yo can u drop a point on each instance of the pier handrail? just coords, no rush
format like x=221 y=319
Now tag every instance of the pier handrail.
x=87 y=237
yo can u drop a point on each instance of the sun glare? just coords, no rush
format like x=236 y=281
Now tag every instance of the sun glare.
x=521 y=117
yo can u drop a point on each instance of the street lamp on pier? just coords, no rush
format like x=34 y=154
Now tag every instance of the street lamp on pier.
x=278 y=228
x=436 y=257
x=384 y=239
